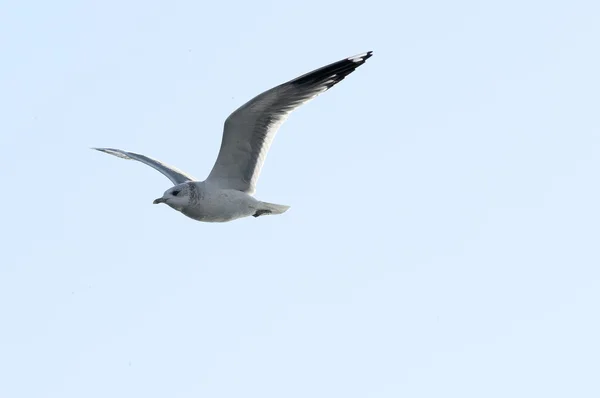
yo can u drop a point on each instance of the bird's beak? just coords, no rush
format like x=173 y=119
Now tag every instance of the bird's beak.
x=159 y=200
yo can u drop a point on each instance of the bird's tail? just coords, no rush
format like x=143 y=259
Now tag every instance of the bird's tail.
x=270 y=208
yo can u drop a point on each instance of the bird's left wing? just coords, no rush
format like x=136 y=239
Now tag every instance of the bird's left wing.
x=249 y=130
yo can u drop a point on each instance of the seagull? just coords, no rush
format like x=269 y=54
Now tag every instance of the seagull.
x=227 y=193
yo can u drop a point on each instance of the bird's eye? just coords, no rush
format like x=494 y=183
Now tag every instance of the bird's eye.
x=175 y=193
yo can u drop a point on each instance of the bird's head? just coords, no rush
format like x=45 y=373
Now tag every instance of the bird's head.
x=177 y=197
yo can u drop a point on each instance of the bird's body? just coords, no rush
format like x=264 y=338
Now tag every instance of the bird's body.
x=209 y=203
x=213 y=204
x=226 y=194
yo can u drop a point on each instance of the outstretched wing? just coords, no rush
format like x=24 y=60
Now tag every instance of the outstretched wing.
x=176 y=176
x=249 y=130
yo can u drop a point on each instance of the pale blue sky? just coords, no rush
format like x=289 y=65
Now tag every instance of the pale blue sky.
x=443 y=234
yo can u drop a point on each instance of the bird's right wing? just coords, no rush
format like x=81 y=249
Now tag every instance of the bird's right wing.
x=176 y=176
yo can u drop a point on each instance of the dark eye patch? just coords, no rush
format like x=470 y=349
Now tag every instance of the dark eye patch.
x=175 y=193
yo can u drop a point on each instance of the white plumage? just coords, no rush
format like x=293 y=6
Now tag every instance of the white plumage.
x=248 y=133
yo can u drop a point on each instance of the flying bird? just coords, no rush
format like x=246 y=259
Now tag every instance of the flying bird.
x=227 y=193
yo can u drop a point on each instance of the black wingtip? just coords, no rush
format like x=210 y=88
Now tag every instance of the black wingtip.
x=362 y=57
x=333 y=73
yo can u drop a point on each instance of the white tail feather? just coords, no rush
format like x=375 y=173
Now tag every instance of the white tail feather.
x=271 y=208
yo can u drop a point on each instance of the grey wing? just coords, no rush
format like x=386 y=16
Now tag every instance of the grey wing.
x=249 y=131
x=176 y=176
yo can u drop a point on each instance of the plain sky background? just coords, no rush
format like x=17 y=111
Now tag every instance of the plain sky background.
x=443 y=239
